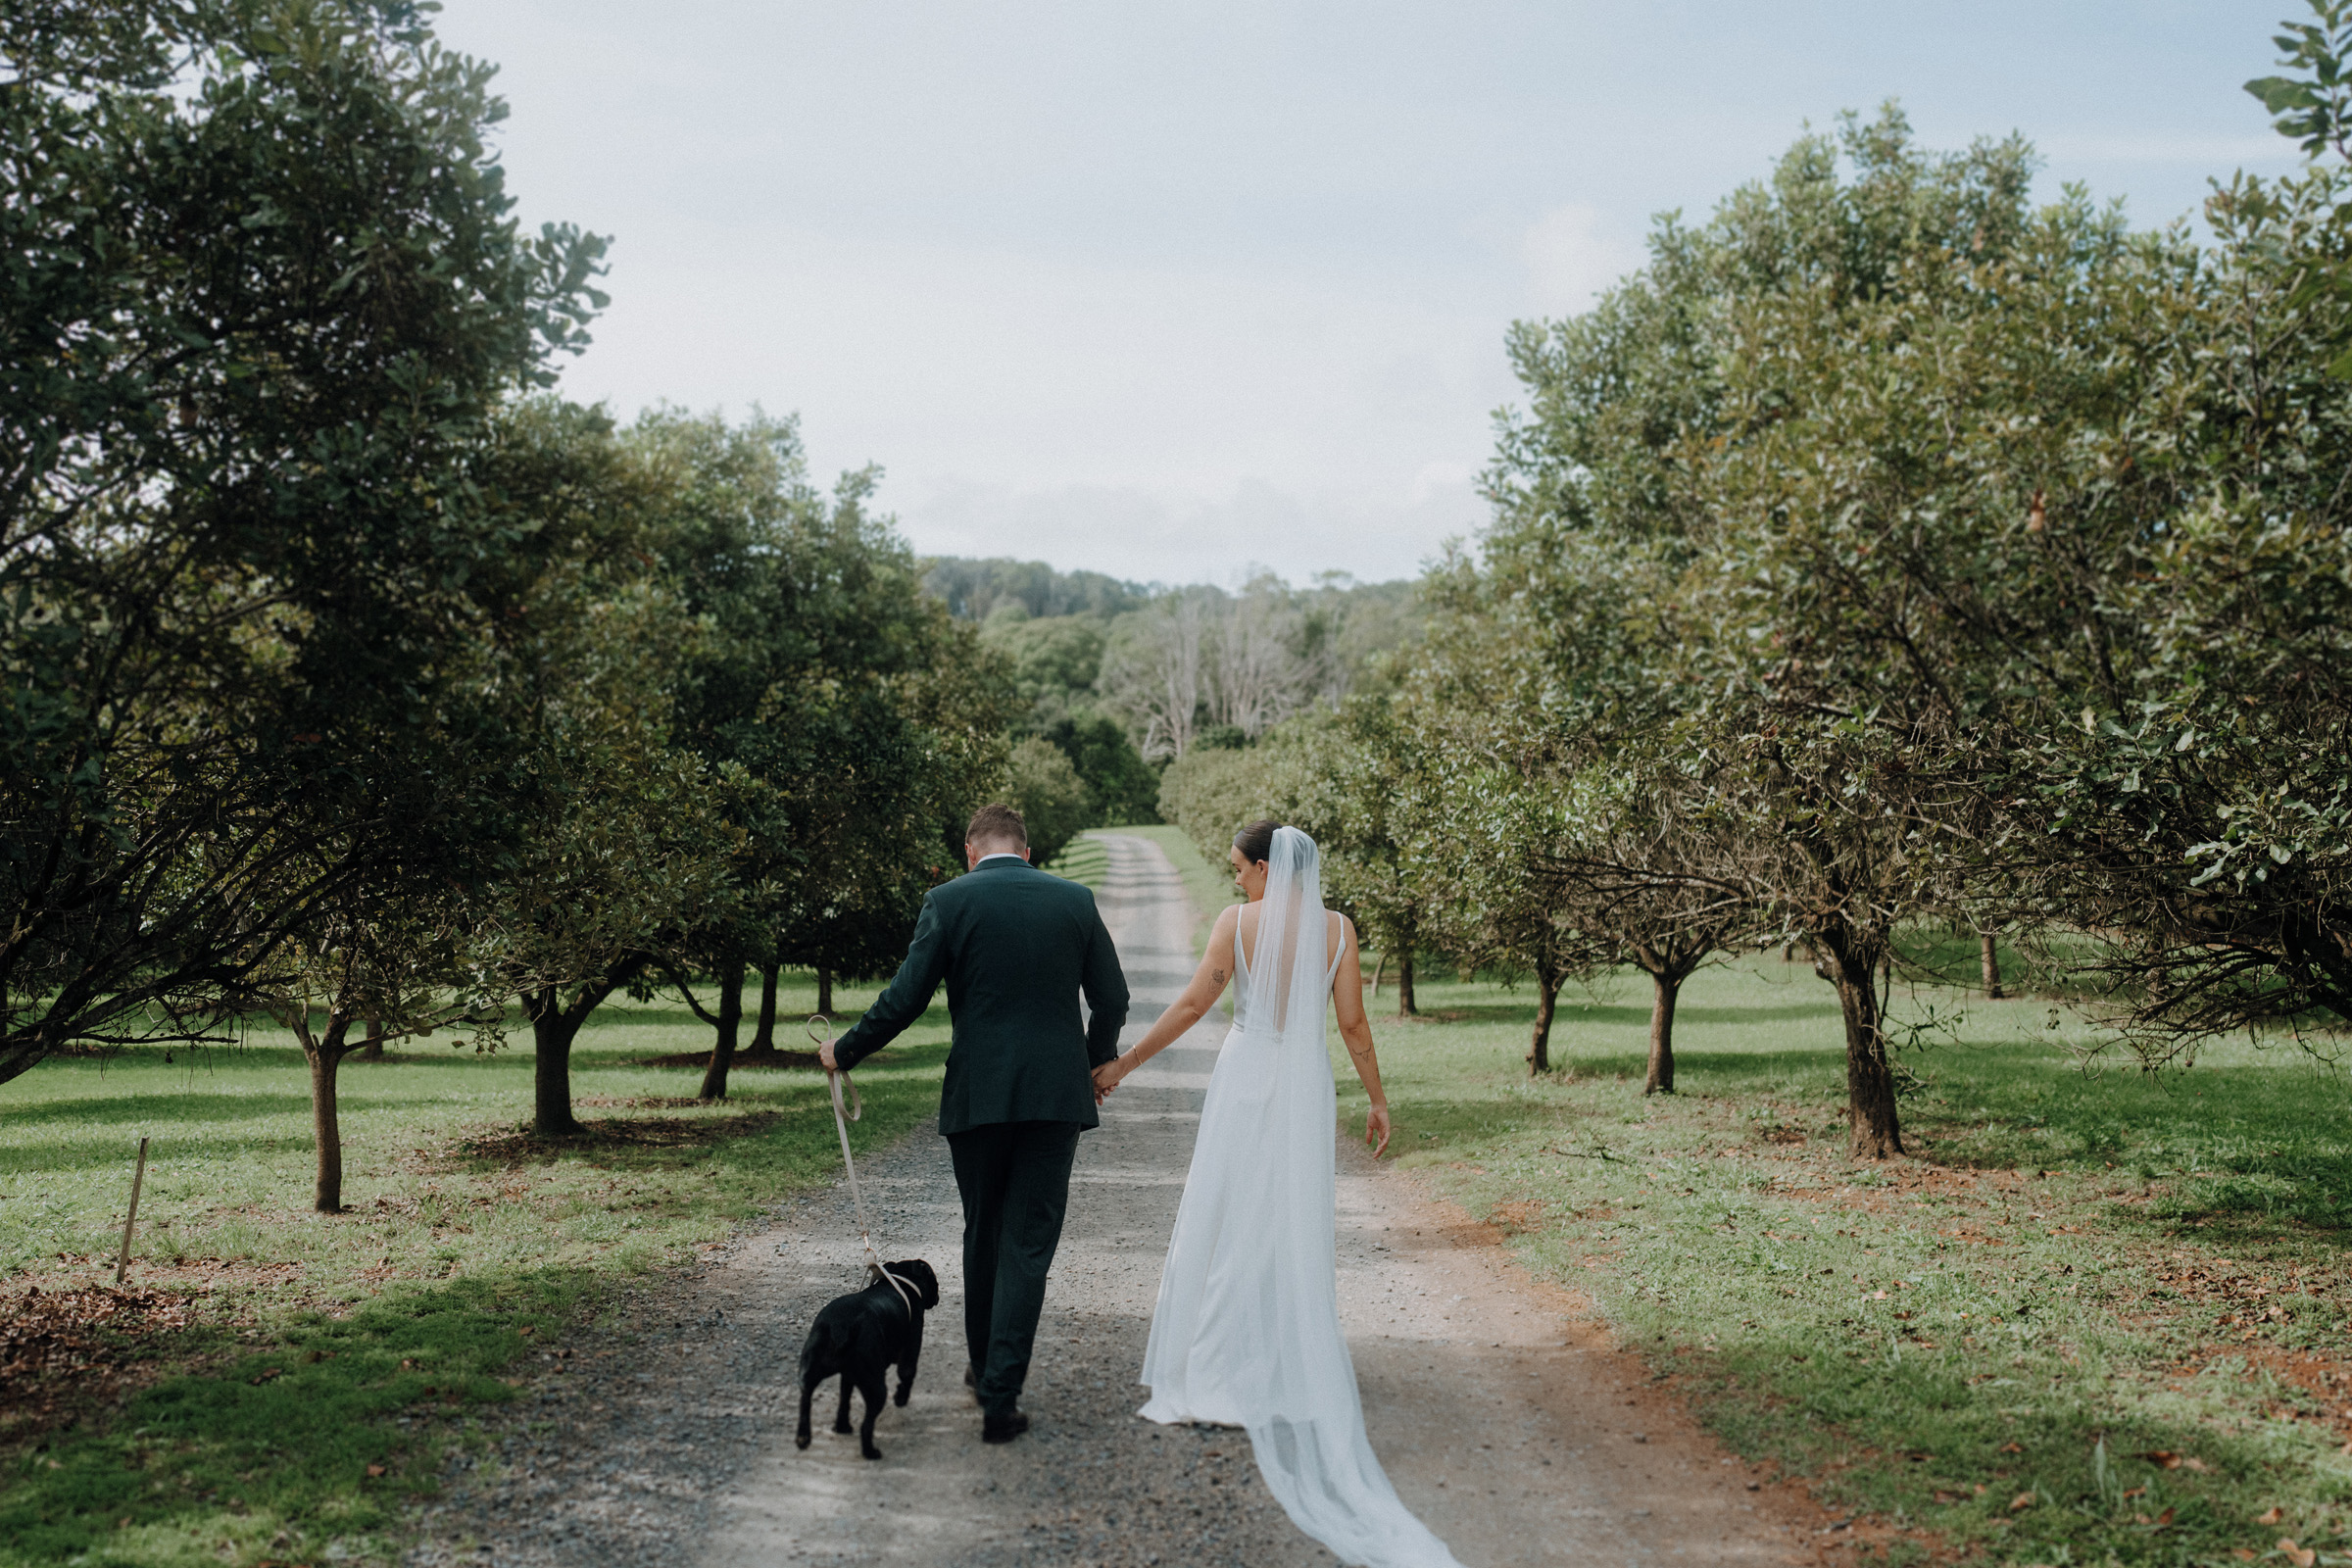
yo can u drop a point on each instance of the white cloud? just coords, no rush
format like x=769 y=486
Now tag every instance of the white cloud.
x=1572 y=253
x=1130 y=288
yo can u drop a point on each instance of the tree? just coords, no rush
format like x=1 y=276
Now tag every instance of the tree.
x=1154 y=670
x=1504 y=911
x=629 y=848
x=850 y=718
x=383 y=962
x=1711 y=433
x=1054 y=660
x=262 y=291
x=1364 y=784
x=1584 y=817
x=1122 y=786
x=974 y=590
x=2183 y=759
x=1053 y=799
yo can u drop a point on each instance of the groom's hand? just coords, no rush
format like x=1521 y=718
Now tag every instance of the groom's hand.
x=824 y=1053
x=1107 y=1078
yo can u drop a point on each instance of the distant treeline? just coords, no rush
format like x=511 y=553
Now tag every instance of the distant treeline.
x=1116 y=679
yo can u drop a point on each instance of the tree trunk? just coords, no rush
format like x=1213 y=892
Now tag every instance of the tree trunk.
x=824 y=991
x=553 y=1027
x=1405 y=984
x=1666 y=986
x=764 y=1038
x=1849 y=963
x=1992 y=965
x=1378 y=969
x=1787 y=952
x=327 y=1125
x=730 y=1020
x=373 y=1050
x=1548 y=993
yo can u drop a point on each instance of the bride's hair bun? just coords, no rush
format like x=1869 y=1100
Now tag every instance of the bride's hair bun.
x=1257 y=841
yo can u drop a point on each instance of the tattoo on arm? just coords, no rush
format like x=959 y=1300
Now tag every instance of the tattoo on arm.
x=1218 y=975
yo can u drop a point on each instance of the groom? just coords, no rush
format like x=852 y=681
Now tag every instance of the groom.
x=1016 y=945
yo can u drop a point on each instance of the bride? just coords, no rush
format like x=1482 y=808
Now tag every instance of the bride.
x=1246 y=1332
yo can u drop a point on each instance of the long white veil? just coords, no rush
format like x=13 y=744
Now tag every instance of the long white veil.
x=1248 y=1328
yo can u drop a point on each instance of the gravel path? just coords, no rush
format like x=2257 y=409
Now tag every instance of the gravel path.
x=1504 y=1418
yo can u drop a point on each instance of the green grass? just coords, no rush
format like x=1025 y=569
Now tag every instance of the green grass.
x=1083 y=859
x=1976 y=1345
x=272 y=1358
x=1208 y=884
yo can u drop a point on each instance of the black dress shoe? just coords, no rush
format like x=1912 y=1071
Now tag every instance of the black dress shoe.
x=1003 y=1428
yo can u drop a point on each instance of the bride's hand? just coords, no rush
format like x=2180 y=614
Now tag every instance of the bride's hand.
x=1376 y=1124
x=1108 y=1076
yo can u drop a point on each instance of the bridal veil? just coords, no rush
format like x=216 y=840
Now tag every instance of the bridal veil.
x=1246 y=1330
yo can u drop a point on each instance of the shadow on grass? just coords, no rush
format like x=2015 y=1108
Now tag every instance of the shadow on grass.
x=1607 y=1014
x=613 y=1143
x=2247 y=1144
x=284 y=1437
x=192 y=1106
x=294 y=1147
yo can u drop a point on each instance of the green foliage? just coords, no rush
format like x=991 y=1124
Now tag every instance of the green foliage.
x=2152 y=1263
x=1041 y=784
x=1212 y=793
x=1054 y=660
x=1202 y=666
x=233 y=621
x=856 y=725
x=629 y=850
x=976 y=590
x=2315 y=107
x=1124 y=787
x=1905 y=548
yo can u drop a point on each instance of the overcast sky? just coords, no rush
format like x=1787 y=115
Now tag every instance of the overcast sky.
x=1163 y=291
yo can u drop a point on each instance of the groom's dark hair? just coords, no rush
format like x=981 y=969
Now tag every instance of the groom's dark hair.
x=996 y=824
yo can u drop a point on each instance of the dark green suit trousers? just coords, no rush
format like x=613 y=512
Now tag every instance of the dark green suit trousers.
x=1014 y=1179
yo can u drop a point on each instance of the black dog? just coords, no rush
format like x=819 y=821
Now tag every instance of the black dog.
x=859 y=1337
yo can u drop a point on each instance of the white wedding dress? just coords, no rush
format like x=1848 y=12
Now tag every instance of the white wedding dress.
x=1246 y=1332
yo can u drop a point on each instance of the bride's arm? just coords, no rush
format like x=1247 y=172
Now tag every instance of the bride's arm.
x=1207 y=983
x=1348 y=1001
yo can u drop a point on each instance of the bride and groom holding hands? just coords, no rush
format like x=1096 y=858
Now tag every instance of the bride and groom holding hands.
x=1247 y=1330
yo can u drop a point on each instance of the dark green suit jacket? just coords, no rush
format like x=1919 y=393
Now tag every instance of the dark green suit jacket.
x=1016 y=945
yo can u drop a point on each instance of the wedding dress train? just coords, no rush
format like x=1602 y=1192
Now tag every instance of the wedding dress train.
x=1246 y=1330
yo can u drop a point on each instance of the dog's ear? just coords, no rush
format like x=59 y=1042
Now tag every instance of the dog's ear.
x=919 y=1273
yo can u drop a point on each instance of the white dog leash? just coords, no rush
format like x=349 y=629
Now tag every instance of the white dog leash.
x=834 y=1079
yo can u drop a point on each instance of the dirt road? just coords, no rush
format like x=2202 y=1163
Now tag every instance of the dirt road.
x=1503 y=1416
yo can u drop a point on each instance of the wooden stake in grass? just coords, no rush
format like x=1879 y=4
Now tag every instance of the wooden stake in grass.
x=137 y=1177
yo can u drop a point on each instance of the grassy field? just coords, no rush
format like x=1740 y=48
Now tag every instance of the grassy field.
x=276 y=1384
x=2093 y=1319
